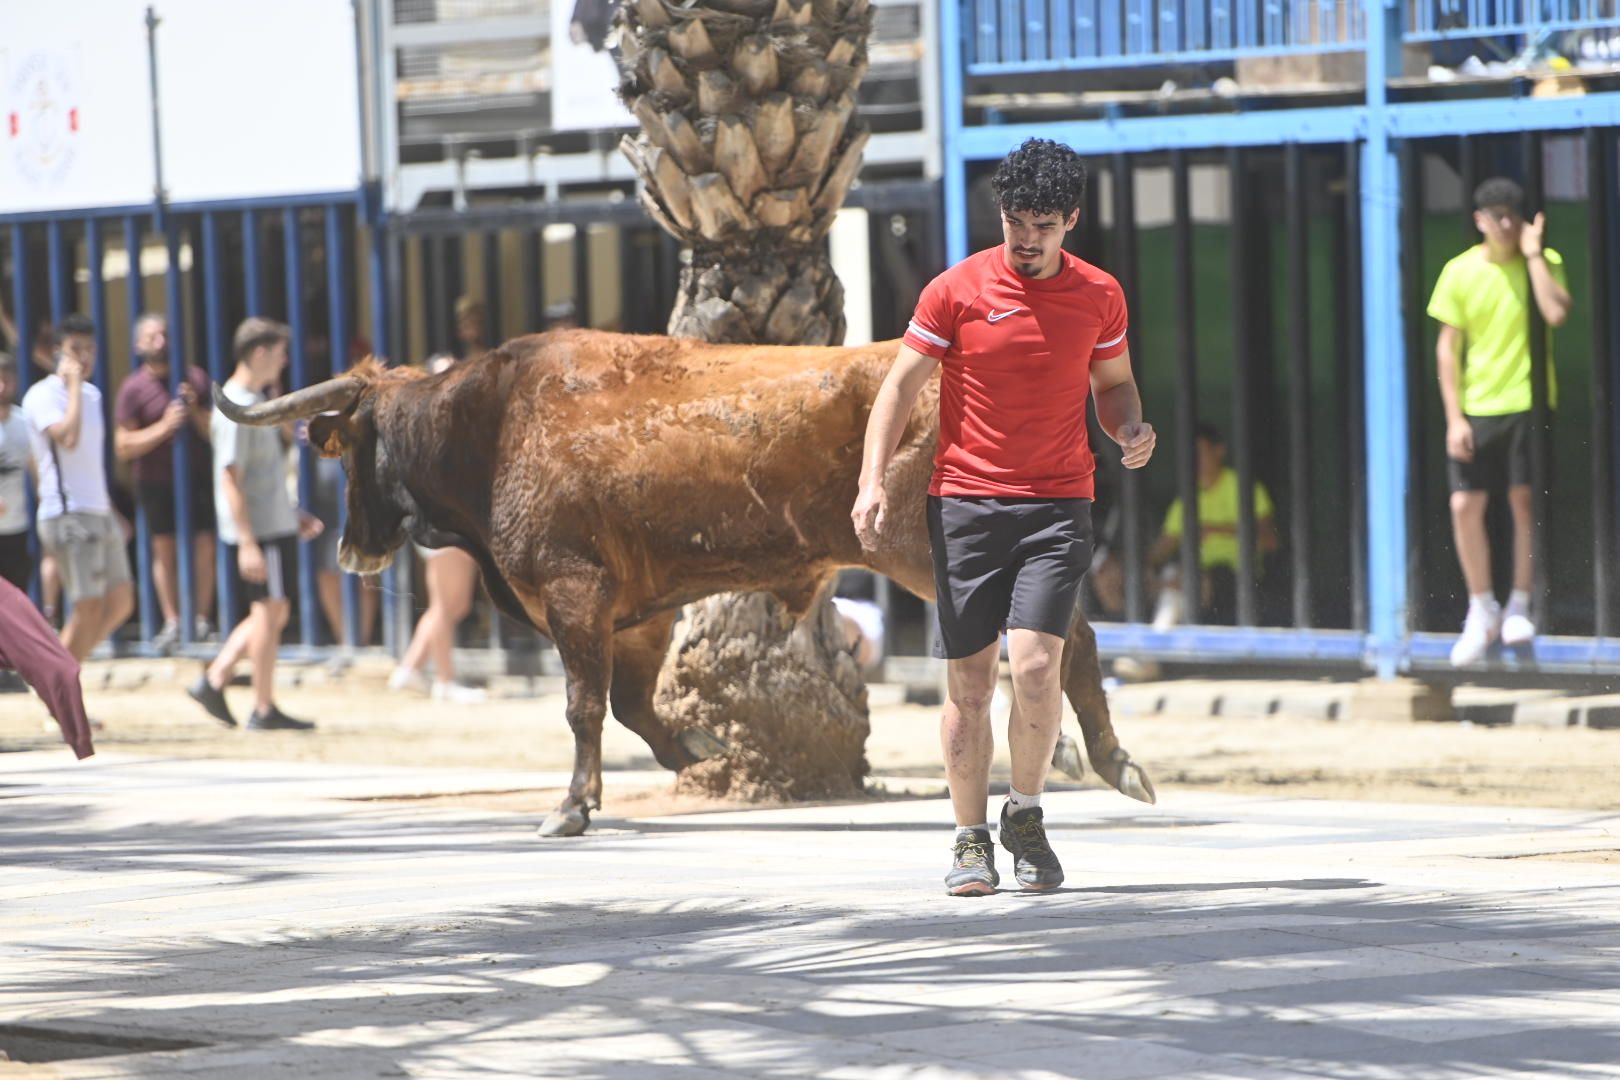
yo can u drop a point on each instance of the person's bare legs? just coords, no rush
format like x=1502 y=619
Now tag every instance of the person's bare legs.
x=268 y=617
x=1036 y=659
x=451 y=578
x=1473 y=544
x=117 y=606
x=165 y=578
x=202 y=573
x=82 y=630
x=50 y=586
x=1519 y=503
x=329 y=587
x=964 y=732
x=223 y=666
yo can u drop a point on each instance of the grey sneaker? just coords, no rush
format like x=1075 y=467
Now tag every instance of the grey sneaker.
x=204 y=694
x=973 y=871
x=166 y=639
x=1035 y=865
x=276 y=720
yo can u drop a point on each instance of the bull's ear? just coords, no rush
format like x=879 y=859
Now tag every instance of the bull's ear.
x=331 y=434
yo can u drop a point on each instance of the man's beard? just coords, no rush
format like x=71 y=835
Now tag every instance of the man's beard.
x=156 y=359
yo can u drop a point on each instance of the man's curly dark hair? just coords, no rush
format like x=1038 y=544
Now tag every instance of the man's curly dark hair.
x=1040 y=177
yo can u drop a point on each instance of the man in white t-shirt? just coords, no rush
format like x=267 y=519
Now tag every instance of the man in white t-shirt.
x=16 y=459
x=68 y=428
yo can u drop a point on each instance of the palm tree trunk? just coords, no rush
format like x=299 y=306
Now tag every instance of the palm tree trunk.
x=748 y=145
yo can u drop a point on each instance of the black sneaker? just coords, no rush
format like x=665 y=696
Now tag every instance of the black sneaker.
x=1034 y=864
x=973 y=873
x=276 y=720
x=203 y=693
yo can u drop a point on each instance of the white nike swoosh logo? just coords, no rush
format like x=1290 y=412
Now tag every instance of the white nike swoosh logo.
x=997 y=316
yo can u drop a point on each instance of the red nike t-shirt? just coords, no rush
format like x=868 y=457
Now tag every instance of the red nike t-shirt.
x=1016 y=355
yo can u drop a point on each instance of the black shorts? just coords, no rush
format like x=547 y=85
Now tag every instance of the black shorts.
x=1003 y=564
x=280 y=571
x=162 y=516
x=16 y=565
x=1501 y=454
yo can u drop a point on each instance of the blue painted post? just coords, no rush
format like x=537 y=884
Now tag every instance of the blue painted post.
x=950 y=61
x=1385 y=368
x=183 y=447
x=54 y=256
x=380 y=279
x=252 y=279
x=134 y=290
x=300 y=379
x=21 y=314
x=218 y=371
x=98 y=315
x=338 y=336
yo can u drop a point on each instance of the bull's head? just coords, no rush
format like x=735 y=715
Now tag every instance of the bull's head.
x=342 y=424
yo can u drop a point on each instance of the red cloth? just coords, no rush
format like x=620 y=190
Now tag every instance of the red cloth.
x=29 y=647
x=1016 y=357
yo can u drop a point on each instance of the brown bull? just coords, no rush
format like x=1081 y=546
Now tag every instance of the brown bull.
x=604 y=480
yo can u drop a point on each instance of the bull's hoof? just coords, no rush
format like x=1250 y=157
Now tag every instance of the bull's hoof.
x=570 y=822
x=700 y=744
x=1066 y=758
x=1127 y=777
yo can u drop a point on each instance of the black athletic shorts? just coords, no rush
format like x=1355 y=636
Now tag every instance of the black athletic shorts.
x=1004 y=564
x=16 y=565
x=1501 y=454
x=280 y=571
x=162 y=516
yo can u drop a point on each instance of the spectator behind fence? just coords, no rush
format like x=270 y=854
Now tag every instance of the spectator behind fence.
x=76 y=523
x=1482 y=301
x=1217 y=543
x=16 y=462
x=452 y=582
x=148 y=422
x=259 y=526
x=471 y=315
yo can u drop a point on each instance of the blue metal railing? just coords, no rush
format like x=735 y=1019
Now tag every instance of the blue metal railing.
x=1435 y=20
x=1009 y=36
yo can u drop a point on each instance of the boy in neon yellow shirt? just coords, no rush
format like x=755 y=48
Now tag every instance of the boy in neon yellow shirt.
x=1217 y=541
x=1482 y=301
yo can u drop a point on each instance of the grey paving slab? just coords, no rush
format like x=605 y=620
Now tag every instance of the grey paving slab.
x=294 y=925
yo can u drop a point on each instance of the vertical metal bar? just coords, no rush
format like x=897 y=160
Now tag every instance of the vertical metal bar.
x=97 y=289
x=383 y=255
x=1295 y=180
x=183 y=447
x=951 y=59
x=135 y=290
x=1387 y=451
x=1111 y=36
x=431 y=249
x=1186 y=382
x=55 y=256
x=1540 y=447
x=1062 y=31
x=252 y=276
x=1130 y=490
x=1037 y=38
x=338 y=334
x=494 y=326
x=1599 y=204
x=1468 y=171
x=1417 y=369
x=218 y=371
x=300 y=378
x=582 y=274
x=1242 y=387
x=1355 y=397
x=1195 y=29
x=22 y=316
x=530 y=246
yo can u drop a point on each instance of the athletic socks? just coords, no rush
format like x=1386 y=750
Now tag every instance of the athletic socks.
x=1518 y=602
x=1485 y=602
x=1017 y=800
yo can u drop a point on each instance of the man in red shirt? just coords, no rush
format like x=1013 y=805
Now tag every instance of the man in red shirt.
x=1025 y=333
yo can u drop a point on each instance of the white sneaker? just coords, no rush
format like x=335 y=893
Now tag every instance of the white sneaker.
x=406 y=679
x=1517 y=629
x=457 y=693
x=1479 y=630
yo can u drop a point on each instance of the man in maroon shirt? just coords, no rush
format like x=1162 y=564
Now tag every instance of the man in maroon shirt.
x=1024 y=333
x=148 y=420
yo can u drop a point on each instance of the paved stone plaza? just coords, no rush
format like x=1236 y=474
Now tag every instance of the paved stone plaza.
x=246 y=919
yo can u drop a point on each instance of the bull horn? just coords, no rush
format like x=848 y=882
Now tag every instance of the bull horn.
x=330 y=396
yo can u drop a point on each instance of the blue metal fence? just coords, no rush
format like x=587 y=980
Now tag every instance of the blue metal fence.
x=1436 y=20
x=1010 y=36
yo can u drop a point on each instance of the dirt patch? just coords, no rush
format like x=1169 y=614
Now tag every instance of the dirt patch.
x=1368 y=759
x=1609 y=857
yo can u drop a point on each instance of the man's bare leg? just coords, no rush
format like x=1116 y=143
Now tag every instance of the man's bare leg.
x=964 y=732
